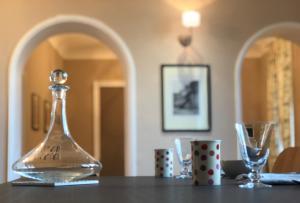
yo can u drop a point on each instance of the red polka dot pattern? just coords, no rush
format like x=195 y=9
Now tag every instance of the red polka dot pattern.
x=210 y=172
x=206 y=162
x=210 y=182
x=164 y=163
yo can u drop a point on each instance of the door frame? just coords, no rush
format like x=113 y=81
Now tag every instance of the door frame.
x=97 y=85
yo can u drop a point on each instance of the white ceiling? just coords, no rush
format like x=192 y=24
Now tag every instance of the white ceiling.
x=79 y=46
x=260 y=47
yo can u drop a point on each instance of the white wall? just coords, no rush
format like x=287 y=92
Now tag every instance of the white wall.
x=150 y=29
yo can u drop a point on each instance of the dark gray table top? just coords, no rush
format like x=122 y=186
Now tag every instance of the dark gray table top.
x=147 y=189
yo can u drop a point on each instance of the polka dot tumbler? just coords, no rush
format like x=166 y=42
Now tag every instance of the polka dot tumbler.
x=206 y=166
x=164 y=163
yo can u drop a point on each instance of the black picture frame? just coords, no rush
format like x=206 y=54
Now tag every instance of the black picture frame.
x=208 y=122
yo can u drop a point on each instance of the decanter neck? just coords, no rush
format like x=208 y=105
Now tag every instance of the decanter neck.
x=58 y=124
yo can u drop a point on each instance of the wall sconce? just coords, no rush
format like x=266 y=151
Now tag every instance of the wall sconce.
x=190 y=20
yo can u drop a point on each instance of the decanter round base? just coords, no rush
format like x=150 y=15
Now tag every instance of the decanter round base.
x=56 y=175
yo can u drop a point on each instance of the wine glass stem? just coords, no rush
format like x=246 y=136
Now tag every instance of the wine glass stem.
x=254 y=176
x=184 y=170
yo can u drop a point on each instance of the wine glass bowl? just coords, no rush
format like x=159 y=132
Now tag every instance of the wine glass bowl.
x=183 y=151
x=254 y=140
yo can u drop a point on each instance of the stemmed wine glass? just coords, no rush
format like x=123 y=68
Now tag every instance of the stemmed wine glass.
x=254 y=140
x=183 y=151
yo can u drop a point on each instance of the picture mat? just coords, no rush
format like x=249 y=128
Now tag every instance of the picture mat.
x=185 y=122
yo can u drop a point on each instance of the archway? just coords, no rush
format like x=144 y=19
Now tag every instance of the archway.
x=64 y=24
x=287 y=30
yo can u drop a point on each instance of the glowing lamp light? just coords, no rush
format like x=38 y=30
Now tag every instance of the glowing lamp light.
x=191 y=19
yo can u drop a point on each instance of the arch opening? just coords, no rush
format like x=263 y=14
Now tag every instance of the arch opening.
x=42 y=31
x=285 y=30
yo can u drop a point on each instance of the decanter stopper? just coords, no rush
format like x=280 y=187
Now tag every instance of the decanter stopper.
x=58 y=77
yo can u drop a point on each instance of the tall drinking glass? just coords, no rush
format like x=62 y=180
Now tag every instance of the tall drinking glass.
x=183 y=151
x=254 y=140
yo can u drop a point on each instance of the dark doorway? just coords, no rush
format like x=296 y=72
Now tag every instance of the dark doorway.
x=112 y=131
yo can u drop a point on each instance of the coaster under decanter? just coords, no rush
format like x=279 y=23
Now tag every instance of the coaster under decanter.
x=58 y=158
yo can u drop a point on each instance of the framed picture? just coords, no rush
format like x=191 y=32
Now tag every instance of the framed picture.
x=185 y=98
x=35 y=112
x=47 y=115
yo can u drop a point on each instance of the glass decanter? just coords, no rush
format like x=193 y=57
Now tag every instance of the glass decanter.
x=58 y=158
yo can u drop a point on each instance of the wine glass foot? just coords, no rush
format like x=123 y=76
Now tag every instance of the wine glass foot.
x=252 y=185
x=183 y=176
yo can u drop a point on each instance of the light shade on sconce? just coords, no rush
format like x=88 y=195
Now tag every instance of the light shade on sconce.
x=191 y=19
